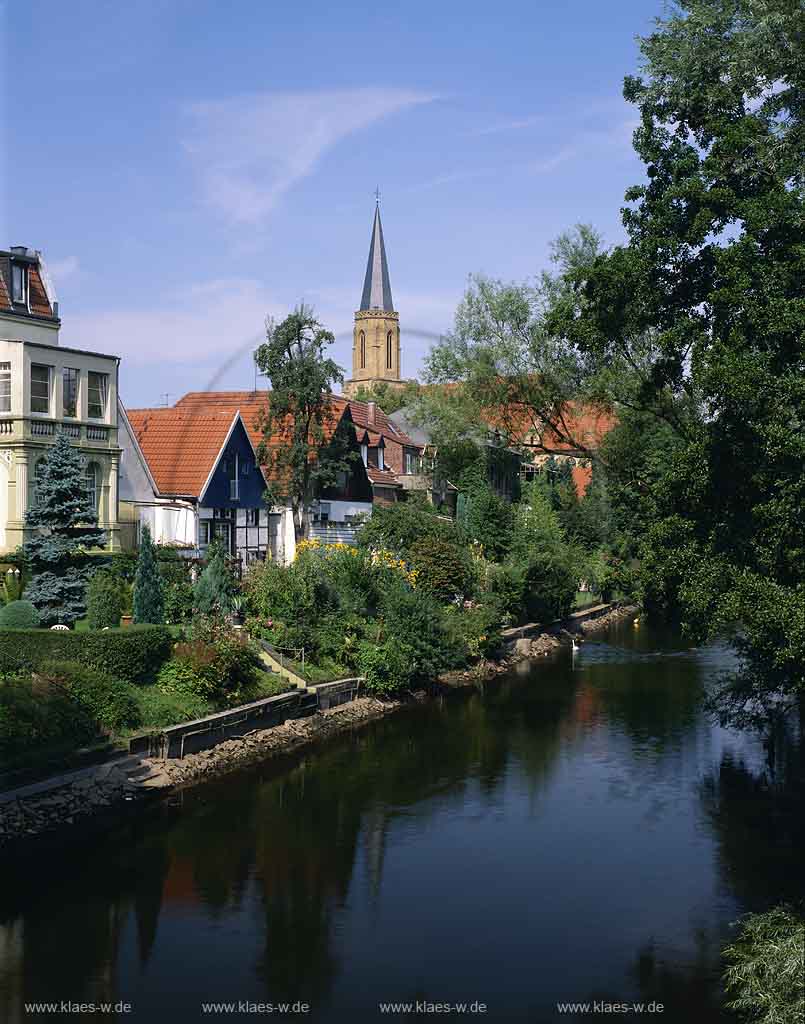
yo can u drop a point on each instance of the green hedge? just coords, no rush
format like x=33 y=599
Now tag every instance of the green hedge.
x=135 y=654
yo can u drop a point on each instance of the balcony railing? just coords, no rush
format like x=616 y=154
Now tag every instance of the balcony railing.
x=31 y=427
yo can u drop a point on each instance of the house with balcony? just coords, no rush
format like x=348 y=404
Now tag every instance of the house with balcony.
x=46 y=388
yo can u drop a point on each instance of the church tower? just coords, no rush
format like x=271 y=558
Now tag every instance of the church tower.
x=376 y=335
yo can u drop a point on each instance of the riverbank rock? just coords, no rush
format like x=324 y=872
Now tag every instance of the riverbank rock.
x=627 y=611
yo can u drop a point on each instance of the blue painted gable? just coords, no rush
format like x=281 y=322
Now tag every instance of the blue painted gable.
x=250 y=480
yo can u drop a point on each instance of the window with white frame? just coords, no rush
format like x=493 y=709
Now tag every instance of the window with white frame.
x=69 y=392
x=5 y=387
x=204 y=531
x=252 y=516
x=19 y=283
x=40 y=388
x=97 y=394
x=412 y=462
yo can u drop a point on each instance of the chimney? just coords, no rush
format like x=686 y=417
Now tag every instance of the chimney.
x=371 y=413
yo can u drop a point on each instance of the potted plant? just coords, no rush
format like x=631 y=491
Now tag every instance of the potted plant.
x=238 y=605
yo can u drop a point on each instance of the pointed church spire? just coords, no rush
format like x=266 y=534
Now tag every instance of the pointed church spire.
x=376 y=284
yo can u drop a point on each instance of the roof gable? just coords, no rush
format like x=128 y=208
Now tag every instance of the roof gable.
x=180 y=447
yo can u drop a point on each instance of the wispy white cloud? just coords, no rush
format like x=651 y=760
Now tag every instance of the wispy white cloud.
x=63 y=270
x=207 y=323
x=250 y=150
x=548 y=163
x=510 y=126
x=450 y=178
x=203 y=336
x=618 y=135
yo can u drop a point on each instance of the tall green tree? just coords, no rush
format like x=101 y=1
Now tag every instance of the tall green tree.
x=148 y=601
x=300 y=452
x=65 y=527
x=714 y=275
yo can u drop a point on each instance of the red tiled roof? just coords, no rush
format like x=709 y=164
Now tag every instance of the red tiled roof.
x=5 y=298
x=37 y=296
x=380 y=423
x=180 y=446
x=381 y=477
x=252 y=405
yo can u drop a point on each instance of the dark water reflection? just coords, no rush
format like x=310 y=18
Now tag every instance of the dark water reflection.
x=578 y=832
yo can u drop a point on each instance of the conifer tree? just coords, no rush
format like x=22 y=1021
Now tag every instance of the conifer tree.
x=215 y=587
x=66 y=526
x=149 y=603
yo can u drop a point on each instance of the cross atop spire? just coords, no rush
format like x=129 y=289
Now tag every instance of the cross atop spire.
x=376 y=284
x=377 y=195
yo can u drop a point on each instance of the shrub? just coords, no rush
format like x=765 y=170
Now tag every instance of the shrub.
x=111 y=702
x=386 y=667
x=135 y=654
x=415 y=622
x=507 y=586
x=766 y=972
x=149 y=602
x=19 y=615
x=443 y=569
x=216 y=663
x=401 y=525
x=550 y=588
x=294 y=597
x=489 y=520
x=178 y=602
x=216 y=586
x=180 y=678
x=477 y=629
x=104 y=599
x=36 y=714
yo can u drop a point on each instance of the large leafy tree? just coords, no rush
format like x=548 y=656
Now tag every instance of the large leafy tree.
x=714 y=275
x=300 y=451
x=64 y=527
x=693 y=330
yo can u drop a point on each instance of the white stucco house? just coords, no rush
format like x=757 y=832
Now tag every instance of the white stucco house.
x=45 y=389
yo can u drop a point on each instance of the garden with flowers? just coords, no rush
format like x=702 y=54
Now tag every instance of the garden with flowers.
x=420 y=594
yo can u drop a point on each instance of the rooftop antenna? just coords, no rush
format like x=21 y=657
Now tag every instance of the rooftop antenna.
x=377 y=195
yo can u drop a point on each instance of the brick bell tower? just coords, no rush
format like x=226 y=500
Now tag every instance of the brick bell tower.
x=376 y=336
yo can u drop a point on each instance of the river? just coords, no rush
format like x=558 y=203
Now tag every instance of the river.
x=577 y=831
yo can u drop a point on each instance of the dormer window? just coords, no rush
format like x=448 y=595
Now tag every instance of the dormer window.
x=380 y=460
x=19 y=283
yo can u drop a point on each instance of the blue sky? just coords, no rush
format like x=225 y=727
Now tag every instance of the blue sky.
x=188 y=167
